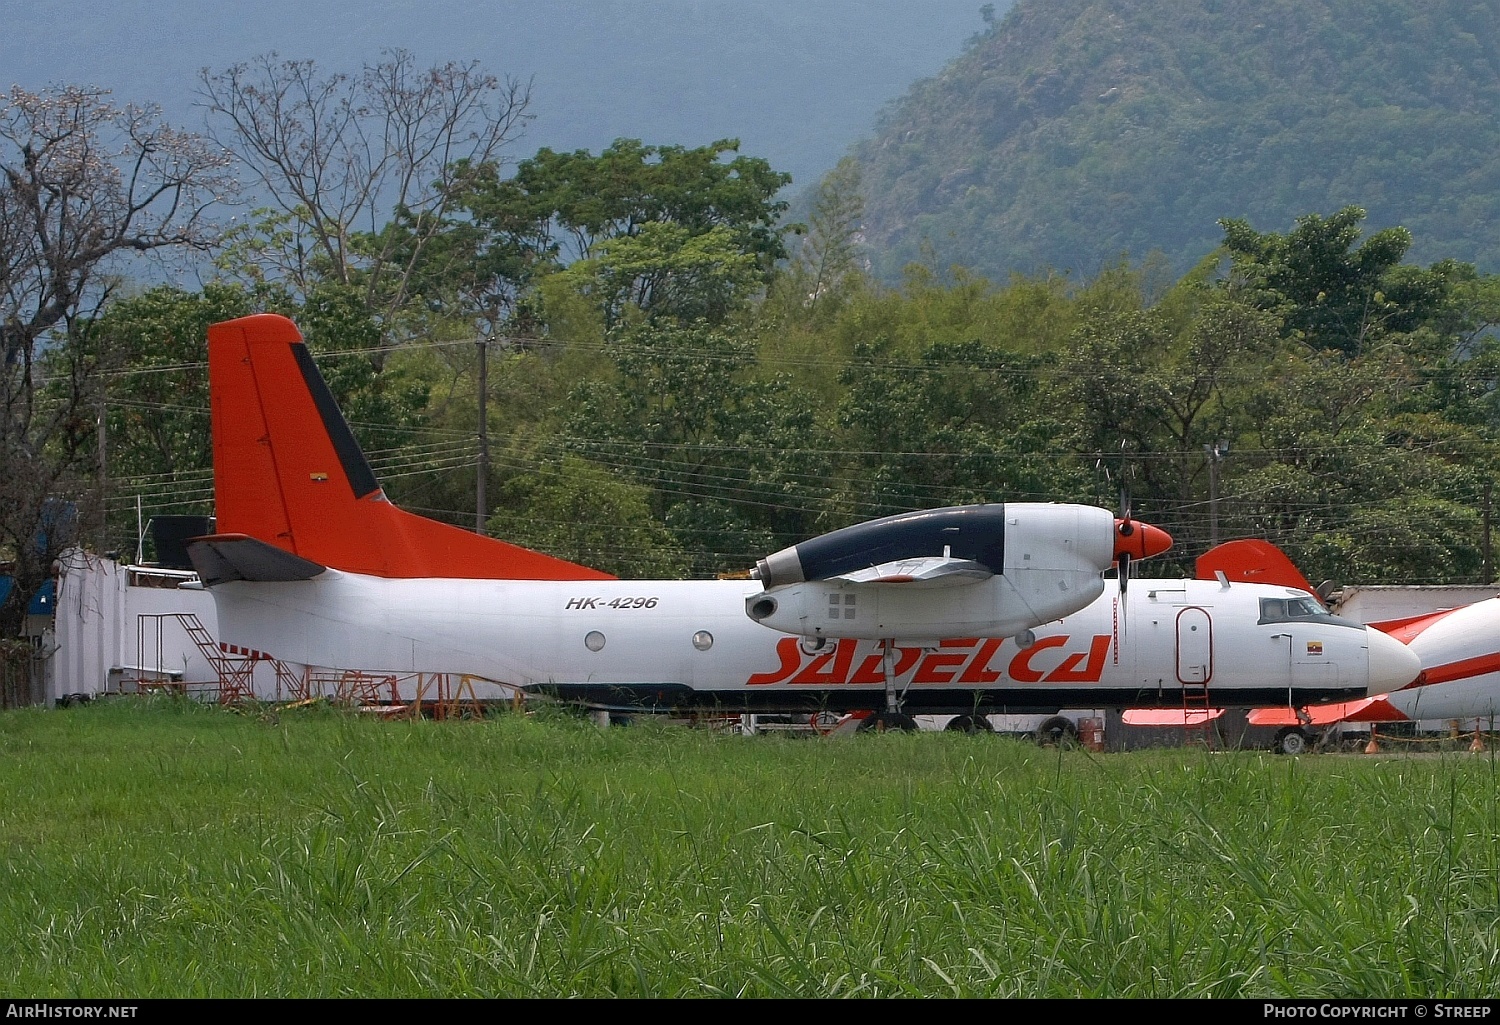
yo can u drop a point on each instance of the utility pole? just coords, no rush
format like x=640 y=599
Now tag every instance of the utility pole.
x=484 y=436
x=1217 y=451
x=1489 y=492
x=102 y=541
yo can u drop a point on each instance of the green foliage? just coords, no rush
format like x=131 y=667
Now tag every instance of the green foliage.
x=964 y=423
x=157 y=436
x=630 y=184
x=1076 y=130
x=582 y=513
x=1149 y=389
x=1331 y=295
x=665 y=272
x=664 y=230
x=685 y=413
x=829 y=266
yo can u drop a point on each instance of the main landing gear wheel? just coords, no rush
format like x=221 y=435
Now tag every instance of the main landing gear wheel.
x=969 y=724
x=1058 y=731
x=889 y=721
x=1292 y=741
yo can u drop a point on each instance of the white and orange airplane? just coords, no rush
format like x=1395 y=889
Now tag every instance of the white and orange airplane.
x=982 y=608
x=1458 y=649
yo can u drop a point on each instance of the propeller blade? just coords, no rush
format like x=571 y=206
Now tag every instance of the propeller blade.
x=1124 y=572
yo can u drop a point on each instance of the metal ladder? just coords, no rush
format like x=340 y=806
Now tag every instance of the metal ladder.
x=1195 y=702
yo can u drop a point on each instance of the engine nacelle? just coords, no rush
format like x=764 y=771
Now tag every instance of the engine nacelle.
x=957 y=572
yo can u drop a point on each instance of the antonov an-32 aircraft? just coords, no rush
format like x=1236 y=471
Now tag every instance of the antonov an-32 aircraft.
x=1458 y=649
x=960 y=610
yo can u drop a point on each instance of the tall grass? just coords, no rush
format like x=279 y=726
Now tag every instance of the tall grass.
x=162 y=849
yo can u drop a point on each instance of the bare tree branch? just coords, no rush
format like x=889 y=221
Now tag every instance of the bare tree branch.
x=342 y=157
x=82 y=182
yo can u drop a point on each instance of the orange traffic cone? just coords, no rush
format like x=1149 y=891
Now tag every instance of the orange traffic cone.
x=1477 y=744
x=1372 y=748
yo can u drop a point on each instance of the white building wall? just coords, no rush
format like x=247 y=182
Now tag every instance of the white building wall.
x=1378 y=603
x=105 y=632
x=87 y=632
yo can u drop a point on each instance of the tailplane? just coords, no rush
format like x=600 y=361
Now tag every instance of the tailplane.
x=288 y=471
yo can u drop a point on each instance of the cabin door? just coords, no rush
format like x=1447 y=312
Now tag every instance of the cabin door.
x=1195 y=646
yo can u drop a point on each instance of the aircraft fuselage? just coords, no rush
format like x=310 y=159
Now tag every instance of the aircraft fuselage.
x=677 y=644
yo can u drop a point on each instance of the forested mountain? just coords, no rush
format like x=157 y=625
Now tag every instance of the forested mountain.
x=1077 y=130
x=795 y=80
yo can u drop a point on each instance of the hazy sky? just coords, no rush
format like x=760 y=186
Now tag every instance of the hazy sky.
x=796 y=80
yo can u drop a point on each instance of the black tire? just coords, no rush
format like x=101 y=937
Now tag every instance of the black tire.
x=1292 y=740
x=1058 y=731
x=889 y=721
x=969 y=724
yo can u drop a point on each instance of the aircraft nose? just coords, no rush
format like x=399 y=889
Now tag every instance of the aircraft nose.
x=1139 y=540
x=1392 y=664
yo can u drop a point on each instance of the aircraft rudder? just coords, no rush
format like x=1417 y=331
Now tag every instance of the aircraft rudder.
x=247 y=489
x=288 y=470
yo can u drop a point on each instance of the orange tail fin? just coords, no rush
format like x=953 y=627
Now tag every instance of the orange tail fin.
x=288 y=471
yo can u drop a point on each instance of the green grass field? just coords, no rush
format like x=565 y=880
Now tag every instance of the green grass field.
x=156 y=849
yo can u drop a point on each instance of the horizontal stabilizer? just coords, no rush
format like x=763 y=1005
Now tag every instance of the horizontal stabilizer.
x=220 y=558
x=933 y=571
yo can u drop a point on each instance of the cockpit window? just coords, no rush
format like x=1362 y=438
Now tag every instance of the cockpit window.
x=1298 y=610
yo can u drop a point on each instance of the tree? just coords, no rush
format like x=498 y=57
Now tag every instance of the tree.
x=580 y=512
x=961 y=423
x=84 y=184
x=362 y=170
x=686 y=415
x=663 y=272
x=1146 y=390
x=630 y=184
x=828 y=265
x=667 y=230
x=157 y=442
x=1330 y=294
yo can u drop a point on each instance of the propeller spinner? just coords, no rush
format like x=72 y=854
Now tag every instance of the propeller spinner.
x=1136 y=540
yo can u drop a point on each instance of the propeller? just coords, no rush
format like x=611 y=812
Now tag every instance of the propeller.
x=1124 y=529
x=1134 y=540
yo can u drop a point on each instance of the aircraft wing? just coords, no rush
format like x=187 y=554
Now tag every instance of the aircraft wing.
x=931 y=571
x=1316 y=715
x=1183 y=717
x=220 y=558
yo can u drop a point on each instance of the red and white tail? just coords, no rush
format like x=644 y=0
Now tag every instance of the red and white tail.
x=288 y=471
